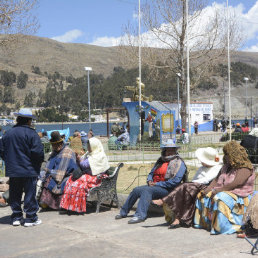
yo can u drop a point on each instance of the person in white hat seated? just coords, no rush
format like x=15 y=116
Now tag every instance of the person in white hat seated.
x=168 y=172
x=179 y=205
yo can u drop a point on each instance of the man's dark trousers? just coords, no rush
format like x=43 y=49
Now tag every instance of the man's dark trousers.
x=28 y=185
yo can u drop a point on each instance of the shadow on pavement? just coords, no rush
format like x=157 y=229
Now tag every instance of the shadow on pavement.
x=158 y=225
x=5 y=220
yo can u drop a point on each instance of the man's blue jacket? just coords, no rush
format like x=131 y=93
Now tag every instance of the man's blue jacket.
x=22 y=151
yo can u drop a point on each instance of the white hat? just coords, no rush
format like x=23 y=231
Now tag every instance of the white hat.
x=25 y=112
x=83 y=133
x=208 y=156
x=254 y=132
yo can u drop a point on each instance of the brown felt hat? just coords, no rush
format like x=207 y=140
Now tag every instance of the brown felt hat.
x=55 y=137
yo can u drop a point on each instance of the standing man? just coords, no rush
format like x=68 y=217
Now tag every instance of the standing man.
x=23 y=153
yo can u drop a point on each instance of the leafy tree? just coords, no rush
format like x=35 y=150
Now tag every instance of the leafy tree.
x=28 y=101
x=22 y=80
x=35 y=69
x=8 y=95
x=7 y=78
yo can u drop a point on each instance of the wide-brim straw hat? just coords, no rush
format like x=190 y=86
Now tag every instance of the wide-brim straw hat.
x=170 y=143
x=25 y=112
x=208 y=156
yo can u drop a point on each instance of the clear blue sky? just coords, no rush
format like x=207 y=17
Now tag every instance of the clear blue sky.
x=87 y=21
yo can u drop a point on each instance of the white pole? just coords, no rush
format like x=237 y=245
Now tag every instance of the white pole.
x=140 y=68
x=88 y=69
x=177 y=100
x=229 y=89
x=245 y=98
x=89 y=96
x=188 y=70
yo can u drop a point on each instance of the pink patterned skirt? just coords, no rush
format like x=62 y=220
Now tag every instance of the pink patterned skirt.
x=75 y=192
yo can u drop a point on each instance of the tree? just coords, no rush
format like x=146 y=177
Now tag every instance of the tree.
x=164 y=23
x=8 y=95
x=28 y=101
x=16 y=17
x=22 y=80
x=35 y=69
x=7 y=78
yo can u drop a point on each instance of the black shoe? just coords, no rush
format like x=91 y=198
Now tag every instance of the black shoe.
x=119 y=216
x=135 y=220
x=174 y=226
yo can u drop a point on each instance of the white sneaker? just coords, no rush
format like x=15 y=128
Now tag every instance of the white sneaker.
x=16 y=223
x=35 y=223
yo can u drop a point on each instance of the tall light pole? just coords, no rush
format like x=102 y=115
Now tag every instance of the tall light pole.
x=88 y=69
x=178 y=75
x=188 y=70
x=229 y=86
x=246 y=80
x=140 y=69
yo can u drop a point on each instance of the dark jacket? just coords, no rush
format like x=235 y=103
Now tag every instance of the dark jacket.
x=22 y=151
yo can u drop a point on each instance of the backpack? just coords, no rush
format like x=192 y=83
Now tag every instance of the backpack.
x=250 y=143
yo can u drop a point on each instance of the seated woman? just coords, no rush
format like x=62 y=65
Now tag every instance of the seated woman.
x=167 y=173
x=60 y=165
x=221 y=206
x=93 y=163
x=186 y=193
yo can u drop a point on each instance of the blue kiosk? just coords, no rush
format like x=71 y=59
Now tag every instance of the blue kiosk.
x=164 y=123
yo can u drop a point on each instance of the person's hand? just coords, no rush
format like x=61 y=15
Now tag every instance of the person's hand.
x=151 y=183
x=82 y=152
x=46 y=170
x=78 y=157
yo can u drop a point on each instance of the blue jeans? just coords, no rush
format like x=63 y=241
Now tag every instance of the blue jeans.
x=146 y=194
x=28 y=185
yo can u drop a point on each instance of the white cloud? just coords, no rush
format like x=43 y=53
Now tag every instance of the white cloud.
x=248 y=22
x=106 y=41
x=69 y=36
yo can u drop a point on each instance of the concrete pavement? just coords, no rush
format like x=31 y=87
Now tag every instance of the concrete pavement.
x=99 y=235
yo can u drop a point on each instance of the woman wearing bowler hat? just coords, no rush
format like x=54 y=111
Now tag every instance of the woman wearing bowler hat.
x=167 y=173
x=60 y=165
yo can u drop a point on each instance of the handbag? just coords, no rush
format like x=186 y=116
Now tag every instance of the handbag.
x=76 y=174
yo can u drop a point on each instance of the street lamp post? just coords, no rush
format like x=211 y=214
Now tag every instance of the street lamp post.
x=88 y=69
x=246 y=79
x=178 y=76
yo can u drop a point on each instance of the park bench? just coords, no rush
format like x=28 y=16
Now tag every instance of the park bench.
x=106 y=191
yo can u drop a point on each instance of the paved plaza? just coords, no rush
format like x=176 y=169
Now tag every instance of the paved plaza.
x=99 y=235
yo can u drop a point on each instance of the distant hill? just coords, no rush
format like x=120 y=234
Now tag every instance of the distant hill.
x=70 y=59
x=66 y=58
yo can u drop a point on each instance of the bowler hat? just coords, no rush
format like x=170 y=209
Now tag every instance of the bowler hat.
x=55 y=137
x=170 y=143
x=25 y=112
